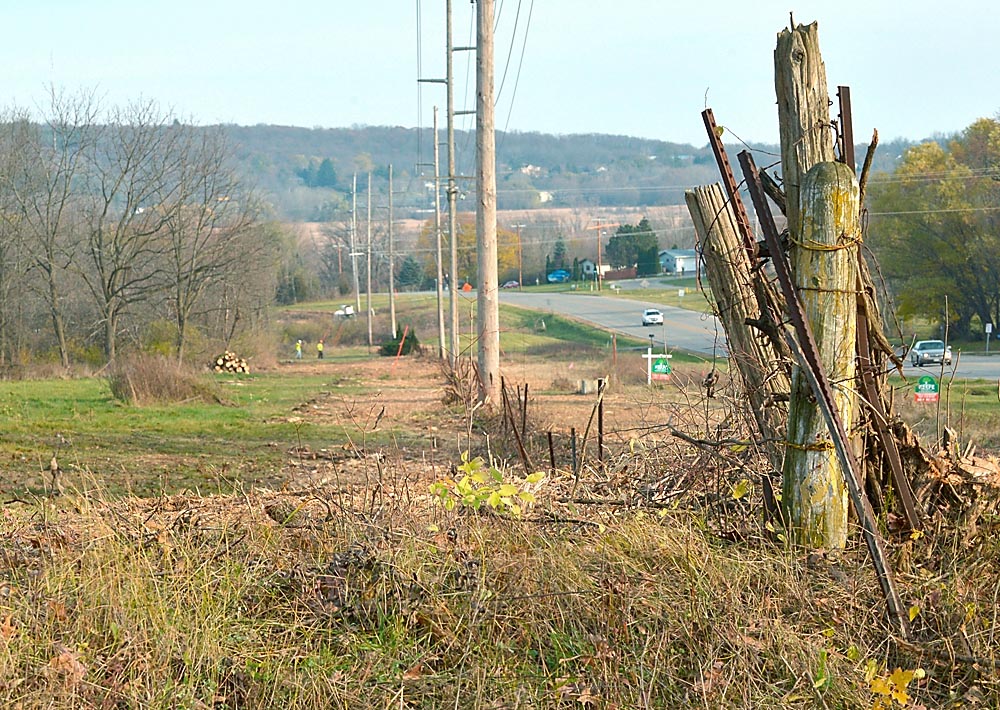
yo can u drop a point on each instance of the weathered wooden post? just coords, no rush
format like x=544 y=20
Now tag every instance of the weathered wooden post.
x=824 y=266
x=727 y=266
x=822 y=210
x=803 y=111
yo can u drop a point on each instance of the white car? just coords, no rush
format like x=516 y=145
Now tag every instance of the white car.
x=651 y=316
x=344 y=312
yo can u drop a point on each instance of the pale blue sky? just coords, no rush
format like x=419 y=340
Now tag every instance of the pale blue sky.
x=631 y=67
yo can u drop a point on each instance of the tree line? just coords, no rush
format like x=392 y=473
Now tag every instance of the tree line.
x=120 y=223
x=935 y=227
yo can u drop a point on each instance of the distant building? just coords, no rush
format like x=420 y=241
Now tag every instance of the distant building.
x=678 y=261
x=588 y=269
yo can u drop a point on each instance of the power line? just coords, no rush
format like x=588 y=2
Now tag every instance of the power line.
x=517 y=77
x=510 y=52
x=941 y=211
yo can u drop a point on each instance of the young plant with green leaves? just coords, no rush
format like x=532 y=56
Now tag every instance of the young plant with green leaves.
x=481 y=484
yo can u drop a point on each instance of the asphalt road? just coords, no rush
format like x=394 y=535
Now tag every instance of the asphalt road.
x=700 y=333
x=688 y=330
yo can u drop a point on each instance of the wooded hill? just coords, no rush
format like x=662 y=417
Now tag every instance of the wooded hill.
x=308 y=172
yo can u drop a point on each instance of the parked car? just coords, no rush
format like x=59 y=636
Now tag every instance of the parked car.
x=927 y=352
x=651 y=316
x=559 y=276
x=510 y=284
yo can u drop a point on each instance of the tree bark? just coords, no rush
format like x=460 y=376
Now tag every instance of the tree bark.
x=824 y=264
x=761 y=367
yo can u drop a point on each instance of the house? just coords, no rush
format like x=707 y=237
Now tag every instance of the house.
x=678 y=261
x=588 y=269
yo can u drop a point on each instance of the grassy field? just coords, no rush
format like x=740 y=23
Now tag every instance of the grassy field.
x=311 y=536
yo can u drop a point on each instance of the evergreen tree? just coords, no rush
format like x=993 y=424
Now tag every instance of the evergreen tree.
x=629 y=242
x=559 y=254
x=411 y=273
x=326 y=175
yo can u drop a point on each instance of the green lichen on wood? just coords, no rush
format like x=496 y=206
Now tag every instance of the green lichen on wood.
x=824 y=265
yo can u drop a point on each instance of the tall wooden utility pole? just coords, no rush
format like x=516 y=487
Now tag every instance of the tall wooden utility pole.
x=437 y=239
x=368 y=271
x=600 y=267
x=486 y=212
x=392 y=264
x=520 y=260
x=452 y=196
x=354 y=235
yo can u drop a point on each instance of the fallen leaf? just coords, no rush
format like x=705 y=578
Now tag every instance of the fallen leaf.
x=415 y=672
x=7 y=629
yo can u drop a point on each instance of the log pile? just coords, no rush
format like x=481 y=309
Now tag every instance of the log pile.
x=230 y=362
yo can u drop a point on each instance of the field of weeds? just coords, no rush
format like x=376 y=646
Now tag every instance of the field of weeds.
x=321 y=598
x=376 y=566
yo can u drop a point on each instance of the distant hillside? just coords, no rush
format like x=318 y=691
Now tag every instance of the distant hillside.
x=308 y=172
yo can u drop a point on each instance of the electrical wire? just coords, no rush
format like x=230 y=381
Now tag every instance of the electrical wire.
x=510 y=53
x=517 y=77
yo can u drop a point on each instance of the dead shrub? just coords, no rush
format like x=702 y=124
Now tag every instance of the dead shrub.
x=147 y=379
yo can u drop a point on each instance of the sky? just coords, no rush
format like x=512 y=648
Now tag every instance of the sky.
x=644 y=68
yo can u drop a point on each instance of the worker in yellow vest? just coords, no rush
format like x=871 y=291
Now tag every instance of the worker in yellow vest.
x=319 y=349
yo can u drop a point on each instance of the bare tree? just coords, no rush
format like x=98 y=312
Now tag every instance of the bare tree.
x=127 y=186
x=46 y=164
x=208 y=226
x=15 y=133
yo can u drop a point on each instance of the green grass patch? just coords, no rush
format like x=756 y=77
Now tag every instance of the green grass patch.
x=971 y=408
x=246 y=436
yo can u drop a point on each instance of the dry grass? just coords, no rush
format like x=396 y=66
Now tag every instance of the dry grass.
x=374 y=596
x=647 y=581
x=146 y=379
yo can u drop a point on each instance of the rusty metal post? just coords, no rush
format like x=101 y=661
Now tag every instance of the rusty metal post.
x=600 y=420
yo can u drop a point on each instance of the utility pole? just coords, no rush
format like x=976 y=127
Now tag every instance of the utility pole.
x=354 y=252
x=599 y=267
x=520 y=270
x=452 y=193
x=486 y=212
x=437 y=239
x=452 y=189
x=392 y=267
x=368 y=271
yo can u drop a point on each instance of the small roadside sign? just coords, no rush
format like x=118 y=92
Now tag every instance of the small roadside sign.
x=661 y=369
x=926 y=390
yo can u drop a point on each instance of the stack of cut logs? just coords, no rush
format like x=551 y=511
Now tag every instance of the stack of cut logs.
x=230 y=362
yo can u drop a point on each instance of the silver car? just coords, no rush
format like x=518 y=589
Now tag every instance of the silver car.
x=927 y=352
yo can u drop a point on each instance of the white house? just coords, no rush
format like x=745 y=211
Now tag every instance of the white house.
x=678 y=261
x=588 y=269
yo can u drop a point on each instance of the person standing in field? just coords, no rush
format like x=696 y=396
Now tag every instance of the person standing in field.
x=319 y=349
x=298 y=350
